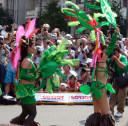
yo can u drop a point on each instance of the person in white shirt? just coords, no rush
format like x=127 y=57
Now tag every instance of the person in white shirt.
x=3 y=32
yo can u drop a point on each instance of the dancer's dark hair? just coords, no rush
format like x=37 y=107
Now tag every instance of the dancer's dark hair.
x=24 y=46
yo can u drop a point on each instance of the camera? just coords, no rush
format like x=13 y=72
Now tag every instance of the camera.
x=1 y=43
x=111 y=55
x=38 y=52
x=11 y=49
x=48 y=42
x=83 y=52
x=45 y=29
x=81 y=44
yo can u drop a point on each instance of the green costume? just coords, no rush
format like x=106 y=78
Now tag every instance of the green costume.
x=96 y=86
x=26 y=92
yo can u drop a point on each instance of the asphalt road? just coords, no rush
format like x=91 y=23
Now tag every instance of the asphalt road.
x=57 y=115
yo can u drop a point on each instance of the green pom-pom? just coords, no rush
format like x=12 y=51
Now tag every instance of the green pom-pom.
x=49 y=86
x=85 y=89
x=109 y=88
x=93 y=37
x=56 y=80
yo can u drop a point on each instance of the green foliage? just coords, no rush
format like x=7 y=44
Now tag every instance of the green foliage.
x=5 y=17
x=53 y=16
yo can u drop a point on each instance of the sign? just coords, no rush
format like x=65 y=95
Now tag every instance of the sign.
x=63 y=98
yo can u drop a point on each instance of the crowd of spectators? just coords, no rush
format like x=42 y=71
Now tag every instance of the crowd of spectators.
x=80 y=47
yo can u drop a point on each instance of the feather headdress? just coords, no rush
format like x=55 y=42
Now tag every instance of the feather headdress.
x=28 y=33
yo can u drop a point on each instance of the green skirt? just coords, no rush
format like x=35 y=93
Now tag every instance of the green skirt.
x=26 y=93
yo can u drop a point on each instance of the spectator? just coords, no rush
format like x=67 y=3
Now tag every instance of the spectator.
x=37 y=56
x=119 y=63
x=71 y=54
x=10 y=74
x=44 y=31
x=45 y=45
x=80 y=53
x=90 y=49
x=73 y=84
x=3 y=32
x=67 y=73
x=3 y=57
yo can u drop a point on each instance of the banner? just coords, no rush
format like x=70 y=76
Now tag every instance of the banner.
x=63 y=98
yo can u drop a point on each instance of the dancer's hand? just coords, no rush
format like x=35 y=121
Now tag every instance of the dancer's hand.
x=117 y=30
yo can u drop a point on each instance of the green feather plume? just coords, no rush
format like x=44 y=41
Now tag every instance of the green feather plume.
x=80 y=30
x=74 y=23
x=72 y=4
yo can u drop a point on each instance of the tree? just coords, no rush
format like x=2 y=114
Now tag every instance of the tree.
x=53 y=16
x=5 y=17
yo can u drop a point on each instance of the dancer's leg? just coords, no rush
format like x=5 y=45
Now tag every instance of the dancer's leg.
x=104 y=103
x=106 y=119
x=94 y=119
x=31 y=115
x=24 y=113
x=31 y=111
x=20 y=119
x=96 y=105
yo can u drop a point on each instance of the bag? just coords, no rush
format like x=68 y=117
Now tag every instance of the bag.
x=122 y=80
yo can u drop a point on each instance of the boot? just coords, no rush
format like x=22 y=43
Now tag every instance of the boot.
x=93 y=120
x=29 y=122
x=18 y=120
x=107 y=120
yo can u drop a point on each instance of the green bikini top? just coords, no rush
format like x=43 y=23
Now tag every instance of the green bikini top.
x=103 y=69
x=24 y=72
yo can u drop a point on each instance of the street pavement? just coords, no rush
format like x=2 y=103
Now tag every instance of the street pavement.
x=57 y=115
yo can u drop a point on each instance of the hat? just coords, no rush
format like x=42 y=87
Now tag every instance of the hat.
x=83 y=39
x=2 y=37
x=68 y=36
x=119 y=42
x=123 y=39
x=46 y=25
x=52 y=36
x=73 y=73
x=38 y=48
x=69 y=42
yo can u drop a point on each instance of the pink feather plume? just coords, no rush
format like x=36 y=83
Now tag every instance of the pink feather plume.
x=30 y=28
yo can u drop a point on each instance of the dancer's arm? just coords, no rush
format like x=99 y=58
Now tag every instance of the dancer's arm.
x=25 y=66
x=111 y=45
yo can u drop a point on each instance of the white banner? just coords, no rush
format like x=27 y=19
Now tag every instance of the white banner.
x=63 y=97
